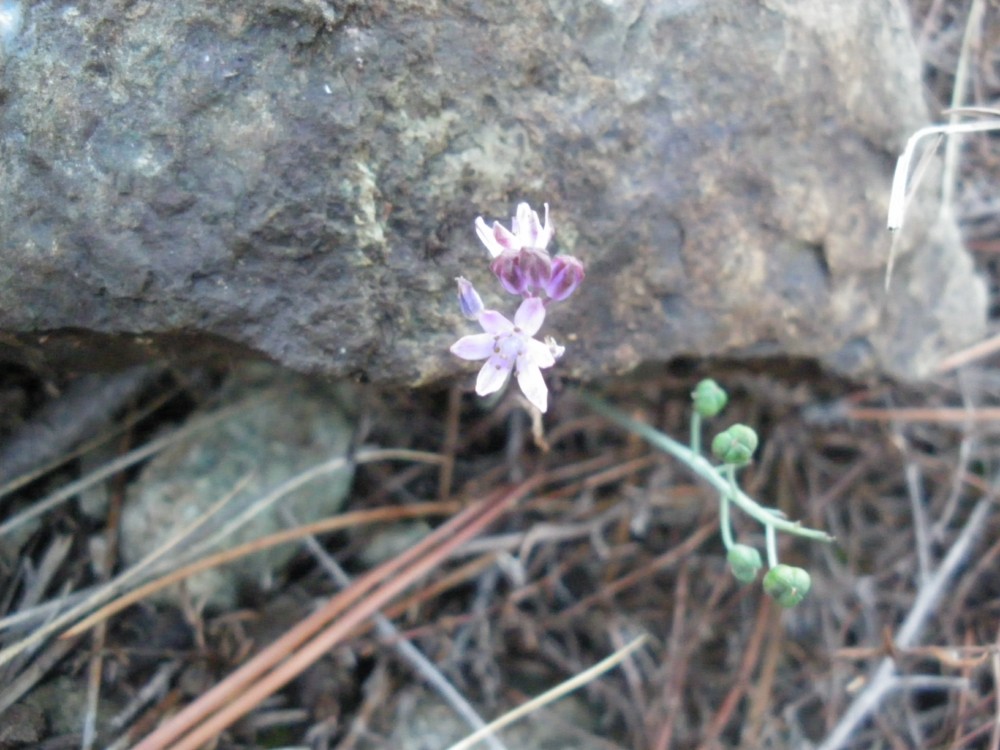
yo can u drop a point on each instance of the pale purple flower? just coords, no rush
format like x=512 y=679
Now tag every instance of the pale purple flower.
x=521 y=261
x=510 y=347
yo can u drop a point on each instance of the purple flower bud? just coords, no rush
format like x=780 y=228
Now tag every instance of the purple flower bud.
x=507 y=269
x=567 y=273
x=523 y=272
x=468 y=299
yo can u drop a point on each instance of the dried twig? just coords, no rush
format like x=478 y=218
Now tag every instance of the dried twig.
x=884 y=679
x=293 y=652
x=554 y=694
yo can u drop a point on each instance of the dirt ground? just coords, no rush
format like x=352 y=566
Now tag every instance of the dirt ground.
x=582 y=538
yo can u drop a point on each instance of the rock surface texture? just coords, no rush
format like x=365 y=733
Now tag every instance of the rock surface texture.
x=299 y=179
x=282 y=427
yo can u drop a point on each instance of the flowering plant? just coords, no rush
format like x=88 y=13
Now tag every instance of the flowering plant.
x=734 y=447
x=523 y=266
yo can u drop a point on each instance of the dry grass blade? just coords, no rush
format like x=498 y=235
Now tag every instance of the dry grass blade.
x=928 y=414
x=343 y=521
x=232 y=698
x=901 y=178
x=973 y=27
x=406 y=650
x=113 y=587
x=130 y=459
x=884 y=679
x=969 y=355
x=117 y=585
x=549 y=696
x=127 y=423
x=16 y=688
x=751 y=654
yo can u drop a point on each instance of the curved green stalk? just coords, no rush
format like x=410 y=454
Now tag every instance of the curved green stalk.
x=772 y=546
x=696 y=432
x=700 y=466
x=727 y=531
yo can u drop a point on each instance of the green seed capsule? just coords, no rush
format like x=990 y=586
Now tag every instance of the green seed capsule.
x=709 y=399
x=736 y=445
x=744 y=561
x=787 y=584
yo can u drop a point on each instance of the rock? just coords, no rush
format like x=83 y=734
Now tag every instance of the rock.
x=21 y=725
x=424 y=722
x=78 y=413
x=62 y=701
x=298 y=179
x=382 y=544
x=288 y=425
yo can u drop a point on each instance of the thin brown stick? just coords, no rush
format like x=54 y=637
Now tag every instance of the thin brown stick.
x=485 y=513
x=751 y=655
x=970 y=354
x=937 y=415
x=450 y=445
x=667 y=559
x=133 y=457
x=415 y=562
x=995 y=734
x=677 y=664
x=762 y=690
x=99 y=639
x=342 y=521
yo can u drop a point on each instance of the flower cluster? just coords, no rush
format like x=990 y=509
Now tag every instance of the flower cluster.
x=523 y=266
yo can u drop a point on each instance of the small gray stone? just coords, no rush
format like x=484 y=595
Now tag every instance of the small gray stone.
x=424 y=722
x=292 y=425
x=21 y=725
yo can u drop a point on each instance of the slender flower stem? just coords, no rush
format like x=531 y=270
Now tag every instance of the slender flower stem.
x=772 y=546
x=696 y=433
x=700 y=466
x=730 y=471
x=727 y=531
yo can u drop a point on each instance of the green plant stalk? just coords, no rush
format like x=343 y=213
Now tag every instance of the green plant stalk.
x=700 y=466
x=771 y=540
x=696 y=433
x=730 y=472
x=727 y=531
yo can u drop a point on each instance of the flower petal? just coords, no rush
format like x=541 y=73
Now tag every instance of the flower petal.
x=567 y=274
x=486 y=237
x=529 y=316
x=547 y=230
x=492 y=377
x=476 y=346
x=494 y=322
x=529 y=228
x=537 y=354
x=505 y=238
x=507 y=268
x=533 y=387
x=536 y=266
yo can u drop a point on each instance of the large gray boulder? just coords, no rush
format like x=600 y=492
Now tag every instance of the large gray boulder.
x=299 y=179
